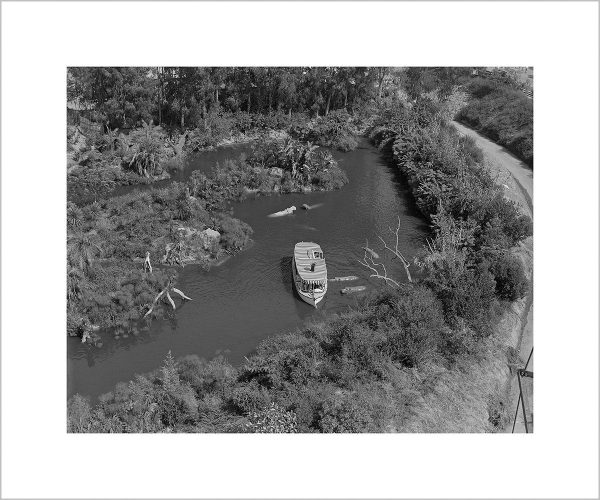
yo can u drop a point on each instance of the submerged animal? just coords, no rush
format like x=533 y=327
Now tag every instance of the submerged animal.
x=373 y=253
x=287 y=211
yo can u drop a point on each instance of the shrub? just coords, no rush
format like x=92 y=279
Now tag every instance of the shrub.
x=502 y=113
x=466 y=290
x=411 y=321
x=234 y=233
x=509 y=273
x=249 y=398
x=146 y=150
x=273 y=419
x=498 y=411
x=342 y=413
x=334 y=130
x=79 y=413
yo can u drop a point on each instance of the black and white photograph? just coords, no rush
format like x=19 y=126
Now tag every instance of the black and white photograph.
x=300 y=249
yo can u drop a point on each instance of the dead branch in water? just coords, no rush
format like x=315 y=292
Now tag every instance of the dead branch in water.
x=378 y=268
x=170 y=300
x=165 y=292
x=183 y=295
x=368 y=262
x=396 y=251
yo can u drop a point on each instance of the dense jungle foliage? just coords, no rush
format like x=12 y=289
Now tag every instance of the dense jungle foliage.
x=108 y=239
x=403 y=361
x=136 y=125
x=503 y=113
x=185 y=96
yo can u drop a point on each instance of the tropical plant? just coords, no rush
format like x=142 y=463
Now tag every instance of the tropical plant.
x=82 y=249
x=272 y=419
x=148 y=150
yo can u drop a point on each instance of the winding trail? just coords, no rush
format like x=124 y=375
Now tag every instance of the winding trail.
x=517 y=179
x=502 y=161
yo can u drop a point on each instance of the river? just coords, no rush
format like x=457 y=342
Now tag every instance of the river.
x=250 y=296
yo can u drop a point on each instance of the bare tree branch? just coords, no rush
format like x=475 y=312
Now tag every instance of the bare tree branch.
x=166 y=291
x=396 y=250
x=368 y=262
x=183 y=295
x=378 y=268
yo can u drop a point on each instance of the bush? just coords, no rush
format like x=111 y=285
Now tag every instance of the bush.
x=273 y=419
x=412 y=321
x=146 y=150
x=509 y=273
x=465 y=290
x=334 y=130
x=503 y=114
x=249 y=398
x=342 y=413
x=234 y=233
x=79 y=413
x=498 y=411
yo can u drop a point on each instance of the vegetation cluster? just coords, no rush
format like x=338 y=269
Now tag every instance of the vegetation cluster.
x=185 y=97
x=101 y=160
x=112 y=140
x=107 y=240
x=403 y=361
x=503 y=113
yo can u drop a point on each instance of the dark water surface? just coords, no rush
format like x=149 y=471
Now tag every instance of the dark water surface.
x=250 y=296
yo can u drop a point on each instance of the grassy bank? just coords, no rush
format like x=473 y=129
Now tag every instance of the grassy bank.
x=422 y=357
x=502 y=113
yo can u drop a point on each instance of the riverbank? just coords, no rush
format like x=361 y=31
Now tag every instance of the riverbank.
x=513 y=173
x=187 y=223
x=421 y=357
x=222 y=319
x=518 y=183
x=99 y=161
x=502 y=113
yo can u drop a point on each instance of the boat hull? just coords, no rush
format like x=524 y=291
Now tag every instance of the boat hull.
x=310 y=298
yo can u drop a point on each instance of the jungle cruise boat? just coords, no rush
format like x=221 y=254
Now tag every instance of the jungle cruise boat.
x=310 y=272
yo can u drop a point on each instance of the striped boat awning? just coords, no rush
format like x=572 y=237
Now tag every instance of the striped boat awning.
x=304 y=255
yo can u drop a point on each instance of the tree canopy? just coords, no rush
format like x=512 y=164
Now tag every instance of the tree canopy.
x=123 y=97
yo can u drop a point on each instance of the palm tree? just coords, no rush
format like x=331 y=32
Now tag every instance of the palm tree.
x=74 y=279
x=148 y=149
x=74 y=215
x=82 y=249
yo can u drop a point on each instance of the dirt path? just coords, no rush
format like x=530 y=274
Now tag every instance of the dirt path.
x=517 y=179
x=503 y=162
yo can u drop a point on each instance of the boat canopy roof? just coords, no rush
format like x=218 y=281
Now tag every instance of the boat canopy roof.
x=306 y=254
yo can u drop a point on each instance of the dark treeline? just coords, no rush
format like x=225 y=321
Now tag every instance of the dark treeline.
x=185 y=96
x=406 y=360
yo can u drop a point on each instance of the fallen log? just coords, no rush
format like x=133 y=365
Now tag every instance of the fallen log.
x=171 y=300
x=183 y=295
x=166 y=291
x=353 y=289
x=373 y=253
x=344 y=278
x=154 y=303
